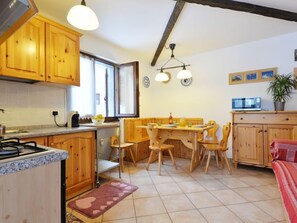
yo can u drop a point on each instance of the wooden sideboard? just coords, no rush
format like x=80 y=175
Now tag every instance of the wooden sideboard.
x=253 y=133
x=140 y=138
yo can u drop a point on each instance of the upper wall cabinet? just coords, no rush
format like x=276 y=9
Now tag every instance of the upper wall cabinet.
x=23 y=54
x=62 y=55
x=42 y=50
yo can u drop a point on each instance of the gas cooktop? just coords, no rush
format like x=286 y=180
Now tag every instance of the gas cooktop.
x=13 y=147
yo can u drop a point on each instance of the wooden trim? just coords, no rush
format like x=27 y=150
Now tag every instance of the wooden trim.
x=173 y=18
x=250 y=8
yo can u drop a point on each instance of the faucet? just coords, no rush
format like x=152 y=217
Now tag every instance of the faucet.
x=1 y=109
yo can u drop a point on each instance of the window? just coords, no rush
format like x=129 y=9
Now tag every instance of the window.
x=106 y=88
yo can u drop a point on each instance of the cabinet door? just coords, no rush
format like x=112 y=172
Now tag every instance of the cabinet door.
x=273 y=132
x=62 y=56
x=23 y=54
x=80 y=170
x=249 y=143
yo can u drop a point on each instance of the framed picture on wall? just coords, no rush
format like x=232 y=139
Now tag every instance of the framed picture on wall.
x=267 y=74
x=251 y=76
x=236 y=78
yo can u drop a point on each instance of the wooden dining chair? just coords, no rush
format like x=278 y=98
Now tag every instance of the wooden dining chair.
x=209 y=138
x=123 y=147
x=219 y=149
x=158 y=148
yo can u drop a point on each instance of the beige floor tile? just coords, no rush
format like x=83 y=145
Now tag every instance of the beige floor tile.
x=179 y=202
x=122 y=210
x=203 y=199
x=212 y=184
x=191 y=216
x=273 y=208
x=168 y=189
x=219 y=215
x=251 y=194
x=249 y=213
x=190 y=187
x=140 y=180
x=256 y=180
x=270 y=190
x=228 y=197
x=162 y=218
x=181 y=177
x=149 y=206
x=146 y=191
x=161 y=179
x=130 y=220
x=232 y=182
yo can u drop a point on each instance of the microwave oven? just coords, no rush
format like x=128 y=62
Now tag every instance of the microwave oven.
x=246 y=104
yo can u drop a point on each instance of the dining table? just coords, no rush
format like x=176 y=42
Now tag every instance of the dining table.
x=188 y=135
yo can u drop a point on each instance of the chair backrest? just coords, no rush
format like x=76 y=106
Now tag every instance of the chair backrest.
x=213 y=131
x=226 y=133
x=114 y=140
x=152 y=132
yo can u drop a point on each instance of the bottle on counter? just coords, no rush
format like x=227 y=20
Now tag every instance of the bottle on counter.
x=170 y=118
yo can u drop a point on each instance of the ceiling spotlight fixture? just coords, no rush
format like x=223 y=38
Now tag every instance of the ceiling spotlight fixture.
x=183 y=74
x=82 y=17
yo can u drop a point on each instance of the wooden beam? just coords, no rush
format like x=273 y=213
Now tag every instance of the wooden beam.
x=247 y=7
x=173 y=18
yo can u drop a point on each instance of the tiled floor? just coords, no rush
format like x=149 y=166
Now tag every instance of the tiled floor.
x=248 y=195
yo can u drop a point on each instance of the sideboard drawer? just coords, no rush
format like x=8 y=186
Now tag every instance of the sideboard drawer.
x=265 y=118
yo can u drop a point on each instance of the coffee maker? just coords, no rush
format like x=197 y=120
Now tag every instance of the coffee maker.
x=73 y=119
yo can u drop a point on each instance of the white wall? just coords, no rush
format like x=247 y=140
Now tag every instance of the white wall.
x=210 y=95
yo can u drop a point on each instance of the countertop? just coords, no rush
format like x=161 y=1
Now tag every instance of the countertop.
x=12 y=165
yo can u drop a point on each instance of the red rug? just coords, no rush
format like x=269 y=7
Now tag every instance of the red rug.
x=99 y=200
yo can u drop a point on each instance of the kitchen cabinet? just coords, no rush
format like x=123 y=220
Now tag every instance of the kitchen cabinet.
x=253 y=133
x=80 y=169
x=42 y=50
x=23 y=54
x=62 y=55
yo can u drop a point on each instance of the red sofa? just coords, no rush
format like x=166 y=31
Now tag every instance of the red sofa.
x=284 y=164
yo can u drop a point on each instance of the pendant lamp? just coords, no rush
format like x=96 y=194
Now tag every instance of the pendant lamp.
x=183 y=74
x=82 y=17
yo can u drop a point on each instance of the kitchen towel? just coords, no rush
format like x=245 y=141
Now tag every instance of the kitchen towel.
x=99 y=200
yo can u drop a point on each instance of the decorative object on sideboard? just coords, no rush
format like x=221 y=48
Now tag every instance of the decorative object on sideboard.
x=183 y=74
x=295 y=74
x=83 y=17
x=281 y=89
x=252 y=76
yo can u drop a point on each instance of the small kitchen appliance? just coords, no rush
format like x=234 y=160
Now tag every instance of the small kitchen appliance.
x=73 y=119
x=246 y=104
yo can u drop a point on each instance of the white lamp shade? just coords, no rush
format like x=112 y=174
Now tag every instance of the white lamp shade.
x=161 y=77
x=184 y=74
x=82 y=17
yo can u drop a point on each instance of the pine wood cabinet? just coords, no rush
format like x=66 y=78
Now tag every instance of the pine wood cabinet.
x=42 y=50
x=23 y=54
x=62 y=55
x=80 y=170
x=253 y=133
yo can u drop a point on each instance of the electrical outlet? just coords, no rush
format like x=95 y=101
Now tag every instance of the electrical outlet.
x=54 y=113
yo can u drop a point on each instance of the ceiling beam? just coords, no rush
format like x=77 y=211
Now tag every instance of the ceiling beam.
x=173 y=18
x=247 y=7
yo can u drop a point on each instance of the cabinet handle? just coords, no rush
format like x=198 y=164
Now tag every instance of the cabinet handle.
x=241 y=118
x=287 y=119
x=260 y=131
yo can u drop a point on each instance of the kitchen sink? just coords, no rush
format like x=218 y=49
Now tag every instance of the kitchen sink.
x=16 y=131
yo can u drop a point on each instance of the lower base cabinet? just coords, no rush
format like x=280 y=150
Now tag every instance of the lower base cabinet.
x=80 y=165
x=253 y=132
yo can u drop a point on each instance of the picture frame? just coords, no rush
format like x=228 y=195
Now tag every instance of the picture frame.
x=236 y=78
x=267 y=74
x=251 y=76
